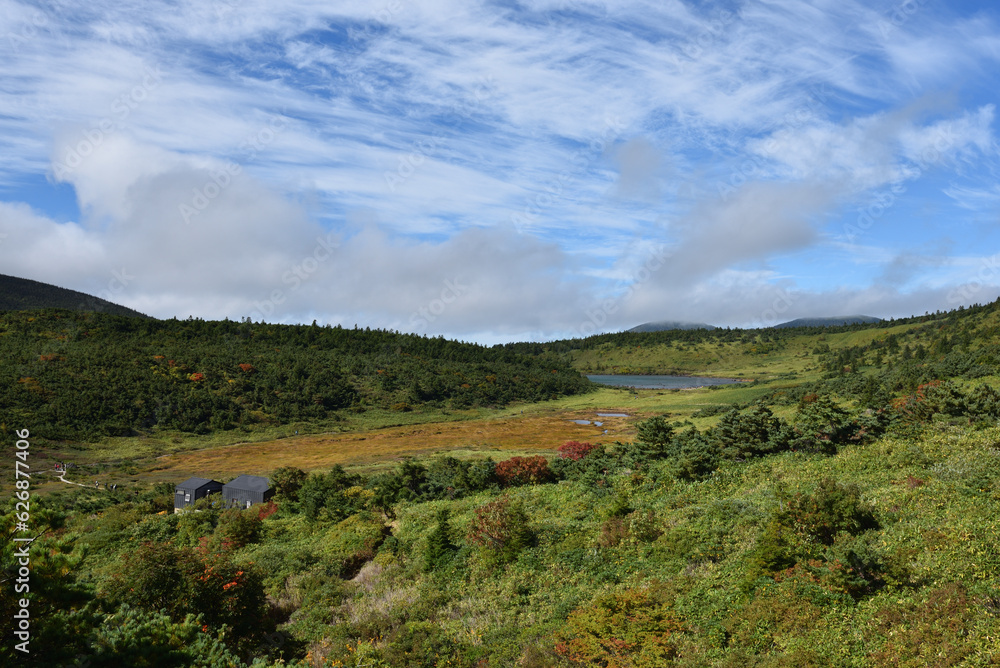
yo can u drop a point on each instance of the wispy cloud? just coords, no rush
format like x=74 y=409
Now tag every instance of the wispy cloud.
x=539 y=154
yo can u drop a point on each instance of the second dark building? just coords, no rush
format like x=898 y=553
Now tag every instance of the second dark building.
x=246 y=490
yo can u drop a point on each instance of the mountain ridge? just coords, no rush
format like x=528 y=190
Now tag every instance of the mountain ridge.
x=830 y=321
x=668 y=325
x=25 y=294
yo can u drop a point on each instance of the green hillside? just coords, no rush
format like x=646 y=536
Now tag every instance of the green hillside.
x=841 y=511
x=86 y=376
x=800 y=353
x=21 y=294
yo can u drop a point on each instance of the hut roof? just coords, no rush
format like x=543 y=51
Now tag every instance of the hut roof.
x=251 y=483
x=195 y=483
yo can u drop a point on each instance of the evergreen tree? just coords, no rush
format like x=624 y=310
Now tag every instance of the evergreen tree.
x=440 y=549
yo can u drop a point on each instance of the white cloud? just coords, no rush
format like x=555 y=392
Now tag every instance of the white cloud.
x=262 y=256
x=599 y=128
x=975 y=199
x=950 y=138
x=38 y=248
x=871 y=152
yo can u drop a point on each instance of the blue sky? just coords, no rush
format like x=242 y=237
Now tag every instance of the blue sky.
x=498 y=171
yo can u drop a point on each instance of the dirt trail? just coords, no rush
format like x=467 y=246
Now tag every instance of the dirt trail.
x=62 y=477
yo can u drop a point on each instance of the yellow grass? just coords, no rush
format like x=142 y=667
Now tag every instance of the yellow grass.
x=531 y=429
x=502 y=436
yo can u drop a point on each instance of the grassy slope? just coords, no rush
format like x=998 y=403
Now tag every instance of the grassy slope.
x=940 y=529
x=934 y=497
x=379 y=435
x=728 y=360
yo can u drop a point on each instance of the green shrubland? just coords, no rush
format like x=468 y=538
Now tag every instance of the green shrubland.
x=871 y=550
x=846 y=519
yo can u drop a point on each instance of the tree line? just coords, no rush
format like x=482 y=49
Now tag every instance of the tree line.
x=86 y=375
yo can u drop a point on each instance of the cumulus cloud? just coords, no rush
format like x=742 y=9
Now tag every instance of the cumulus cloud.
x=172 y=228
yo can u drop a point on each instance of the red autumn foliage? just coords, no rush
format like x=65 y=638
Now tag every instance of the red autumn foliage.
x=574 y=450
x=906 y=404
x=247 y=368
x=523 y=470
x=266 y=510
x=931 y=398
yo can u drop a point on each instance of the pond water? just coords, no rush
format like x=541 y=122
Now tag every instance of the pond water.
x=659 y=382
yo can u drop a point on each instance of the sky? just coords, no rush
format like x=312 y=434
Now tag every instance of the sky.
x=503 y=171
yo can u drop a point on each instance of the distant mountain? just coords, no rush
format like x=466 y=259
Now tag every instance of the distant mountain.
x=669 y=324
x=22 y=294
x=835 y=321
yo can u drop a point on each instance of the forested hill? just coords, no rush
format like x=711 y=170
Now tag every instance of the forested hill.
x=963 y=322
x=835 y=321
x=84 y=375
x=19 y=294
x=868 y=363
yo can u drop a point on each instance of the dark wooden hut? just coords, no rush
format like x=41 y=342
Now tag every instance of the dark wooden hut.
x=192 y=489
x=246 y=491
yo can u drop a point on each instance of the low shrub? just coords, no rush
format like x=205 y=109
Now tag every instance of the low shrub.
x=523 y=471
x=501 y=530
x=636 y=628
x=574 y=450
